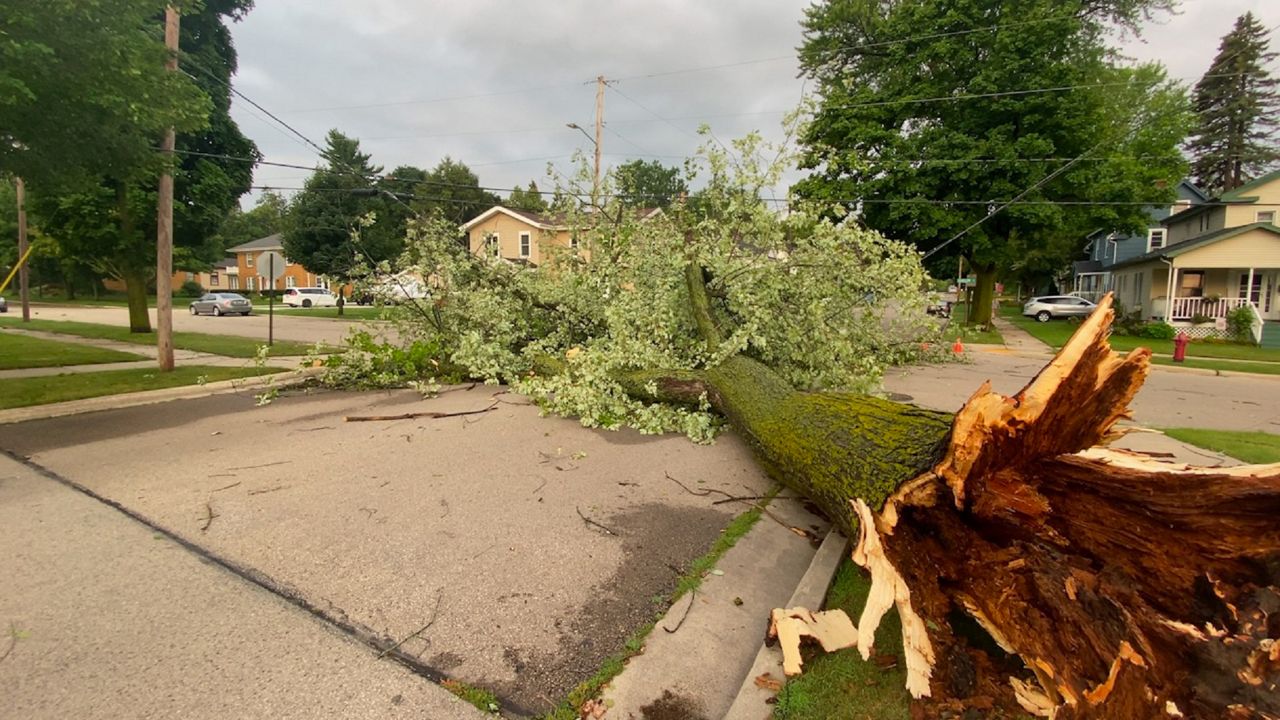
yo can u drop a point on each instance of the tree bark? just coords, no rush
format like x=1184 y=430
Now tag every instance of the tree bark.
x=984 y=295
x=1108 y=585
x=135 y=279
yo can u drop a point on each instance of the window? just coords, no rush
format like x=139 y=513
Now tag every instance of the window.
x=573 y=244
x=290 y=281
x=1155 y=238
x=1191 y=284
x=1267 y=216
x=525 y=241
x=493 y=247
x=233 y=282
x=213 y=279
x=191 y=277
x=1255 y=292
x=248 y=260
x=1204 y=221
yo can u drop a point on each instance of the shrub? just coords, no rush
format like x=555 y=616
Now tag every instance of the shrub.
x=1199 y=319
x=191 y=289
x=1240 y=324
x=1158 y=331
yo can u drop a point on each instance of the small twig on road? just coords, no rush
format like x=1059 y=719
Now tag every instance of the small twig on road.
x=542 y=485
x=741 y=498
x=268 y=490
x=209 y=516
x=629 y=484
x=415 y=415
x=434 y=614
x=693 y=595
x=228 y=487
x=254 y=467
x=311 y=429
x=593 y=523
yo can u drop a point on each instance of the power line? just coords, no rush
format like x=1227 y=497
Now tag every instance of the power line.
x=429 y=101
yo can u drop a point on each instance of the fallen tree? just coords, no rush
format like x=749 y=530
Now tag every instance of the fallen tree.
x=1029 y=568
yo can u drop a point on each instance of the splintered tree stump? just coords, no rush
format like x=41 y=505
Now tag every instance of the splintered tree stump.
x=1032 y=569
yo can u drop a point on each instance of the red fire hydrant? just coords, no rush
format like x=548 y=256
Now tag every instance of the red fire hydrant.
x=1180 y=347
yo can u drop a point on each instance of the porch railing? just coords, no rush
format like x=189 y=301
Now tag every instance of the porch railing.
x=1185 y=308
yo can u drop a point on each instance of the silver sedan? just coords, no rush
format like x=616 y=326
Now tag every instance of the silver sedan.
x=222 y=304
x=1047 y=307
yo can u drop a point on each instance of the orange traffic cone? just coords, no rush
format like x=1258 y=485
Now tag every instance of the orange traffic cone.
x=958 y=348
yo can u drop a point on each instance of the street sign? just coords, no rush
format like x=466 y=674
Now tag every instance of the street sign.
x=968 y=281
x=270 y=265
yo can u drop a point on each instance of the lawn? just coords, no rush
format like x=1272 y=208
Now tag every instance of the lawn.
x=24 y=351
x=228 y=345
x=1056 y=332
x=23 y=392
x=350 y=312
x=1249 y=447
x=1240 y=366
x=956 y=328
x=842 y=684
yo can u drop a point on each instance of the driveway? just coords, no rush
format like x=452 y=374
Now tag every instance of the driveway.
x=502 y=549
x=287 y=327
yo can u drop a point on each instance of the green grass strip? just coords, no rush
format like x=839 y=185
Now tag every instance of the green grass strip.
x=1248 y=447
x=24 y=392
x=24 y=351
x=226 y=345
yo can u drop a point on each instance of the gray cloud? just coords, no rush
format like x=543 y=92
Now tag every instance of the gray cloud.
x=493 y=83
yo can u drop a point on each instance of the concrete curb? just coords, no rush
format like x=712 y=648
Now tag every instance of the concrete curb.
x=149 y=397
x=752 y=700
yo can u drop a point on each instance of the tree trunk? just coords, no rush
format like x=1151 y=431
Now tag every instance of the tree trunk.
x=984 y=295
x=1109 y=585
x=135 y=288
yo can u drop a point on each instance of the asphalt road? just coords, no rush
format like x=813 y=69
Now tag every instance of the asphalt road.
x=287 y=327
x=1171 y=397
x=509 y=551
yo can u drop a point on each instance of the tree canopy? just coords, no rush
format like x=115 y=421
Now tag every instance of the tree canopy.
x=84 y=90
x=648 y=184
x=529 y=199
x=930 y=116
x=1237 y=106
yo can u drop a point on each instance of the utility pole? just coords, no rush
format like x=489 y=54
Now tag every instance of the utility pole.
x=595 y=186
x=164 y=219
x=24 y=289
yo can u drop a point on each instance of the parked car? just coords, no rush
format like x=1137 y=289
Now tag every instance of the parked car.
x=309 y=297
x=1047 y=307
x=4 y=306
x=222 y=304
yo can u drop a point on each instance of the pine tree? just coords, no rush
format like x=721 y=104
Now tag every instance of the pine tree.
x=1236 y=102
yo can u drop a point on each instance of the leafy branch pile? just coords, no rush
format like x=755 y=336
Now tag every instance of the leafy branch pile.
x=822 y=301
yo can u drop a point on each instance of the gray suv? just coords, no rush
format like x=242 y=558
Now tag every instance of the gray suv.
x=1048 y=307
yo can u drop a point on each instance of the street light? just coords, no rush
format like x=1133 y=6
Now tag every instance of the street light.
x=595 y=178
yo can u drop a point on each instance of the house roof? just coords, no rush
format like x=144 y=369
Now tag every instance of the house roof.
x=1177 y=249
x=225 y=263
x=270 y=242
x=1242 y=193
x=544 y=222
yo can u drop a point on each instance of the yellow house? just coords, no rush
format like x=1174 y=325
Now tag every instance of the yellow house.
x=1213 y=258
x=524 y=237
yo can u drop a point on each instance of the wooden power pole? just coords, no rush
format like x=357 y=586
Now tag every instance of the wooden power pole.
x=595 y=186
x=164 y=219
x=24 y=288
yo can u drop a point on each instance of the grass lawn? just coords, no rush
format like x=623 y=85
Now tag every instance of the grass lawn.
x=228 y=345
x=1249 y=447
x=1056 y=332
x=22 y=351
x=969 y=334
x=22 y=392
x=350 y=312
x=843 y=685
x=1263 y=368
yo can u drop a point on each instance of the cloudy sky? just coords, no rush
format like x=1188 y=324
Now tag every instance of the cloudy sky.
x=493 y=83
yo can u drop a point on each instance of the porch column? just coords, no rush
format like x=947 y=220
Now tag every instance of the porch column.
x=1173 y=290
x=1248 y=289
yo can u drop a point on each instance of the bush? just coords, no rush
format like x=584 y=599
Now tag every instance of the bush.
x=1158 y=331
x=191 y=289
x=1240 y=324
x=1199 y=319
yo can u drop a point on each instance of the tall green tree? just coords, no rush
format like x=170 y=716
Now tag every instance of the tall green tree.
x=265 y=218
x=926 y=170
x=342 y=222
x=109 y=222
x=528 y=199
x=454 y=190
x=648 y=184
x=1237 y=106
x=83 y=88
